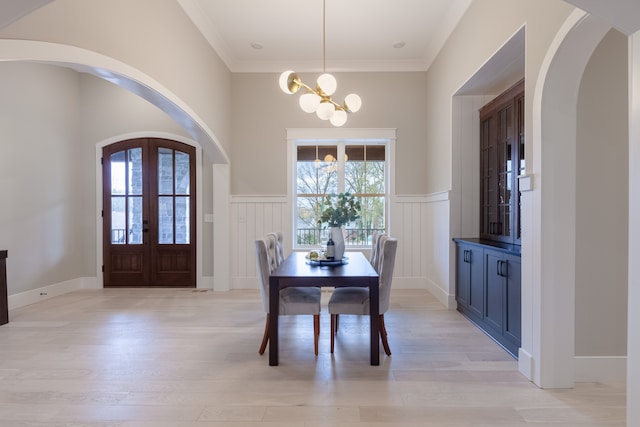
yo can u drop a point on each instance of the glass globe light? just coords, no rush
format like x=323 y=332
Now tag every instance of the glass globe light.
x=289 y=82
x=327 y=83
x=353 y=102
x=309 y=102
x=339 y=118
x=325 y=110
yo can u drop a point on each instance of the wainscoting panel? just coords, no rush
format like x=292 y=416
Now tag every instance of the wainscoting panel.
x=421 y=224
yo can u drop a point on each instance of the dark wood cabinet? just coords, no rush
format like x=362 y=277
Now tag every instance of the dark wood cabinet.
x=502 y=302
x=488 y=289
x=4 y=303
x=501 y=161
x=469 y=287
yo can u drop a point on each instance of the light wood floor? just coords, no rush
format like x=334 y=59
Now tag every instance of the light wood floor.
x=189 y=358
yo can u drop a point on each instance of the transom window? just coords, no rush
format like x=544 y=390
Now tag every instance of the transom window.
x=325 y=168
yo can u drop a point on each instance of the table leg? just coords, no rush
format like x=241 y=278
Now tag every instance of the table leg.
x=374 y=319
x=274 y=309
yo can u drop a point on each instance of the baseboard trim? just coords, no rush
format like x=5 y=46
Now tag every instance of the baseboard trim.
x=245 y=282
x=446 y=299
x=525 y=363
x=22 y=299
x=600 y=369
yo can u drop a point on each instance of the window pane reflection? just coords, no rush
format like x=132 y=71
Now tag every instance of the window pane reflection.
x=165 y=220
x=165 y=171
x=182 y=220
x=118 y=221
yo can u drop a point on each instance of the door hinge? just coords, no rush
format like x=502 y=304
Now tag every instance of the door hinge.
x=103 y=268
x=102 y=213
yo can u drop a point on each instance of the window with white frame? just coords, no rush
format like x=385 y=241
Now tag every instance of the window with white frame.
x=325 y=168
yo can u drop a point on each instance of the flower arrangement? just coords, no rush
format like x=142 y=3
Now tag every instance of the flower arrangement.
x=339 y=210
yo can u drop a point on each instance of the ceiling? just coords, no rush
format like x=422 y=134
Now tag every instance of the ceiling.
x=361 y=35
x=12 y=10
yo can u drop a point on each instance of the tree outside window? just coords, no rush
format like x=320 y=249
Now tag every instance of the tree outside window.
x=326 y=170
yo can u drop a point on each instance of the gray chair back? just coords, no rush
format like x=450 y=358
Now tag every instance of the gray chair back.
x=376 y=264
x=387 y=258
x=374 y=244
x=272 y=250
x=263 y=271
x=278 y=249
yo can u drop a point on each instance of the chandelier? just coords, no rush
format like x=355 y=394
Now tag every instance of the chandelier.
x=319 y=100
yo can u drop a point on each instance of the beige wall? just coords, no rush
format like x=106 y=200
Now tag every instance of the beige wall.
x=486 y=26
x=52 y=118
x=261 y=113
x=41 y=187
x=602 y=202
x=153 y=36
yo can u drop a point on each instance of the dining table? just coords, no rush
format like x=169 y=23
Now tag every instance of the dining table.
x=354 y=270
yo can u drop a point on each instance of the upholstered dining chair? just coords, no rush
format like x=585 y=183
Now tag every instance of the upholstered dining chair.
x=278 y=248
x=293 y=300
x=356 y=300
x=374 y=259
x=272 y=250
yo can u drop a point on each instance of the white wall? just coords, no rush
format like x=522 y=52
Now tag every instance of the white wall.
x=602 y=202
x=633 y=343
x=40 y=181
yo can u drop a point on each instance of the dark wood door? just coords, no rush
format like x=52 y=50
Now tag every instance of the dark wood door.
x=149 y=213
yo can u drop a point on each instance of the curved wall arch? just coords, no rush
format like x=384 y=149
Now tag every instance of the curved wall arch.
x=549 y=247
x=123 y=75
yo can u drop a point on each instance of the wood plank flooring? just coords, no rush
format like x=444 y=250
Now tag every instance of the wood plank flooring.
x=187 y=358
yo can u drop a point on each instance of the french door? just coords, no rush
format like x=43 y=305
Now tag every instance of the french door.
x=149 y=213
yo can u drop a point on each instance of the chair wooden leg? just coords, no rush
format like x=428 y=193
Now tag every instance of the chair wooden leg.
x=383 y=335
x=316 y=332
x=265 y=338
x=337 y=322
x=333 y=330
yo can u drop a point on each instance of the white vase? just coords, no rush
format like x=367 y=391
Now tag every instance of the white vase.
x=337 y=235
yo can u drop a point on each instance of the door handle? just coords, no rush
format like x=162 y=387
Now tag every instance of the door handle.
x=501 y=271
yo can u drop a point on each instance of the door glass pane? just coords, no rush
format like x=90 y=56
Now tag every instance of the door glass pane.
x=182 y=173
x=118 y=173
x=165 y=220
x=135 y=220
x=118 y=221
x=135 y=171
x=165 y=171
x=182 y=220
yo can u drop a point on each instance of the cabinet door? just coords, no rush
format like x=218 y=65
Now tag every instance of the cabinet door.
x=512 y=327
x=463 y=276
x=476 y=285
x=494 y=269
x=469 y=284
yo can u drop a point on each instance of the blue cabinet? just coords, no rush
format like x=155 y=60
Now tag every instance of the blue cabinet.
x=488 y=289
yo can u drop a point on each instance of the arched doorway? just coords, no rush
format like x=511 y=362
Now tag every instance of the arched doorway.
x=549 y=248
x=149 y=202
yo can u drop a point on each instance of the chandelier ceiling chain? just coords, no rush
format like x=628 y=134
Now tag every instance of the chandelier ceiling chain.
x=319 y=100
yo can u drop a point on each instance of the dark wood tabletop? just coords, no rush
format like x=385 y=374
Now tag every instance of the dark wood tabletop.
x=297 y=271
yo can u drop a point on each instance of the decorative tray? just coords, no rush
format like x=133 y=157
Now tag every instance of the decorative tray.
x=327 y=262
